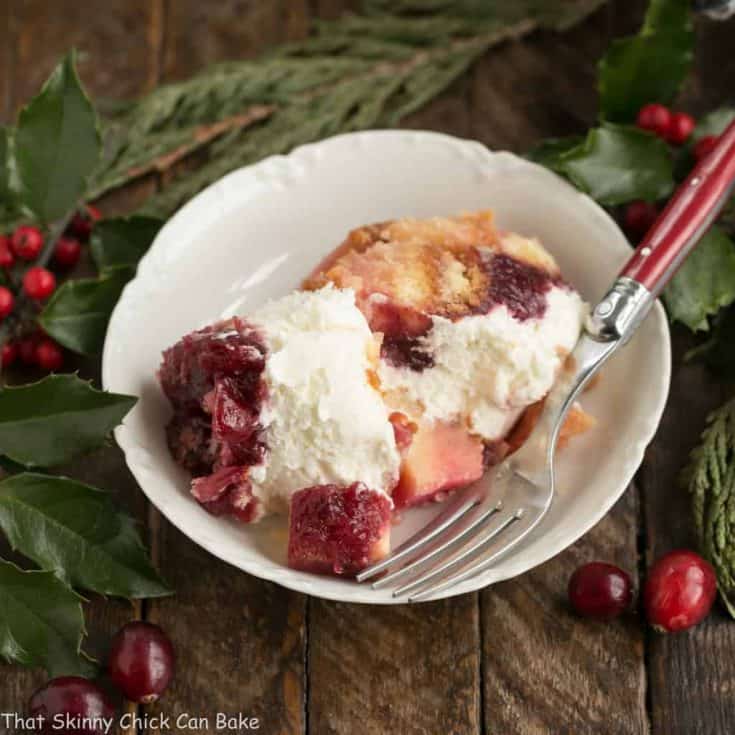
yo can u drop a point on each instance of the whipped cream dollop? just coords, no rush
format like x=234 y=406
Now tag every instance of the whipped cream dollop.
x=324 y=421
x=487 y=368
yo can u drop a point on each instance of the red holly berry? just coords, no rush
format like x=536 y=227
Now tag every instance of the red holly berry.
x=679 y=591
x=704 y=146
x=27 y=242
x=49 y=355
x=638 y=218
x=67 y=252
x=27 y=349
x=83 y=221
x=6 y=254
x=654 y=117
x=7 y=301
x=39 y=283
x=680 y=128
x=9 y=354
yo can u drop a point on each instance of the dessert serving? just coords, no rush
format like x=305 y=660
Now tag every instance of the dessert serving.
x=415 y=356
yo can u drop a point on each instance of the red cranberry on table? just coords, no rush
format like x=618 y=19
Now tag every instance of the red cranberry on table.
x=600 y=590
x=7 y=302
x=680 y=128
x=9 y=354
x=49 y=356
x=71 y=699
x=704 y=146
x=27 y=242
x=67 y=252
x=638 y=218
x=680 y=590
x=141 y=661
x=655 y=118
x=6 y=254
x=39 y=283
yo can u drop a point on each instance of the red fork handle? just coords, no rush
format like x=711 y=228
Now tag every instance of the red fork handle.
x=689 y=213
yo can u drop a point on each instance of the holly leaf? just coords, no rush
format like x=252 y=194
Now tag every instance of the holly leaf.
x=718 y=351
x=650 y=66
x=77 y=314
x=57 y=145
x=121 y=242
x=75 y=530
x=617 y=164
x=713 y=123
x=41 y=622
x=49 y=422
x=705 y=283
x=551 y=151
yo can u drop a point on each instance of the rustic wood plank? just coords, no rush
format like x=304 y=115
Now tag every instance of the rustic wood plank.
x=241 y=641
x=691 y=675
x=544 y=670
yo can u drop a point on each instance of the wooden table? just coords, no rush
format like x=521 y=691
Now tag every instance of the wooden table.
x=510 y=659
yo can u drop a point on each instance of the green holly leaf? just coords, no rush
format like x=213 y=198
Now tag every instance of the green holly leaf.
x=77 y=314
x=57 y=145
x=648 y=67
x=718 y=351
x=41 y=622
x=76 y=531
x=705 y=283
x=617 y=164
x=121 y=242
x=551 y=151
x=50 y=422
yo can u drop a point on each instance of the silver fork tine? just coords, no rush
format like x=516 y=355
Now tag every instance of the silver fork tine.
x=529 y=521
x=482 y=515
x=464 y=501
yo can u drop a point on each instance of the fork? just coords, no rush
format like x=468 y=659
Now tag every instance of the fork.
x=486 y=520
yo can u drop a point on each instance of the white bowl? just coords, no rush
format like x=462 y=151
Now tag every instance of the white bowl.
x=258 y=231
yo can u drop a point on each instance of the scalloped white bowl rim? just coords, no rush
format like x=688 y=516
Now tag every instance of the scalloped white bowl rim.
x=311 y=197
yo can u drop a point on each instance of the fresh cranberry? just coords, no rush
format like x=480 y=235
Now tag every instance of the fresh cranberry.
x=141 y=661
x=654 y=118
x=600 y=590
x=27 y=350
x=679 y=591
x=7 y=301
x=73 y=700
x=638 y=218
x=67 y=252
x=680 y=128
x=9 y=354
x=6 y=254
x=705 y=146
x=27 y=242
x=49 y=356
x=39 y=283
x=83 y=221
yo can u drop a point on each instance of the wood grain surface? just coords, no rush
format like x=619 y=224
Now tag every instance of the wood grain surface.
x=509 y=660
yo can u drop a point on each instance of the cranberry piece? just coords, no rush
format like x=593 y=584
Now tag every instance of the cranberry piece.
x=654 y=118
x=74 y=700
x=7 y=301
x=600 y=590
x=638 y=218
x=26 y=242
x=704 y=146
x=141 y=661
x=67 y=252
x=83 y=221
x=9 y=354
x=680 y=128
x=49 y=356
x=679 y=591
x=6 y=254
x=39 y=283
